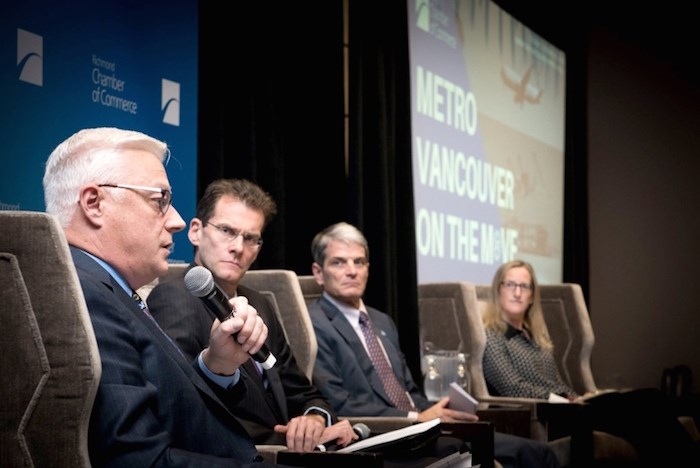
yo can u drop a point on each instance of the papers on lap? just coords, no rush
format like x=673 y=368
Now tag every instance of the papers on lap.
x=414 y=432
x=554 y=398
x=460 y=400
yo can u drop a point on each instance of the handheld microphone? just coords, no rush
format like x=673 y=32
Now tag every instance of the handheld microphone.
x=200 y=282
x=360 y=429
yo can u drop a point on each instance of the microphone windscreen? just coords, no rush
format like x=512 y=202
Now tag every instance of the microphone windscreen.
x=199 y=281
x=361 y=430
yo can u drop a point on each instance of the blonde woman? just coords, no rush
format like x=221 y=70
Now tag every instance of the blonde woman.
x=518 y=359
x=519 y=362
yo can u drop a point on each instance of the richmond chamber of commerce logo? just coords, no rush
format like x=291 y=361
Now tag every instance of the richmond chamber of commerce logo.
x=170 y=102
x=30 y=57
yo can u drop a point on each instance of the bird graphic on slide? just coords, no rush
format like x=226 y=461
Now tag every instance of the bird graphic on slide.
x=524 y=90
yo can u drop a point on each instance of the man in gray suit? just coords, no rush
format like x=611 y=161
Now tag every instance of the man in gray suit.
x=344 y=370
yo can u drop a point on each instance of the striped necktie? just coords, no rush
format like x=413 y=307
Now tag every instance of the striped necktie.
x=392 y=387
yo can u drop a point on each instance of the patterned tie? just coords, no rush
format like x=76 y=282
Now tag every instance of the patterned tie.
x=392 y=387
x=144 y=308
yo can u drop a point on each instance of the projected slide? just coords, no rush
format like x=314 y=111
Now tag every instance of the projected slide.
x=487 y=101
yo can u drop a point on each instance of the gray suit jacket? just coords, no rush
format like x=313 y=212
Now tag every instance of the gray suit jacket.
x=153 y=406
x=344 y=371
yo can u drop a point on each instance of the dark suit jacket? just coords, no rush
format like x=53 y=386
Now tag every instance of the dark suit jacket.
x=344 y=371
x=289 y=393
x=154 y=407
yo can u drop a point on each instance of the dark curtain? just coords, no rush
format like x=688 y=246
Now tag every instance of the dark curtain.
x=271 y=111
x=576 y=265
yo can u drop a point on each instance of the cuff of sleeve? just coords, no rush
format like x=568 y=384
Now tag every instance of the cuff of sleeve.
x=321 y=412
x=223 y=381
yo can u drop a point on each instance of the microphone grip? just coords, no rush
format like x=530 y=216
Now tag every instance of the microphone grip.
x=360 y=429
x=219 y=305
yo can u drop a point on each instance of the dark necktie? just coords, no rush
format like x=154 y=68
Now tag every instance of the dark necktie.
x=392 y=387
x=144 y=308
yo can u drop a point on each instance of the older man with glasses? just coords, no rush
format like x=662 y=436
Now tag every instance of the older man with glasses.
x=109 y=189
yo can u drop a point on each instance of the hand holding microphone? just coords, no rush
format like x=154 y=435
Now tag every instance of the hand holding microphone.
x=200 y=282
x=360 y=429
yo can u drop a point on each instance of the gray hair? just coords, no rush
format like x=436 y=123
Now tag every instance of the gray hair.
x=343 y=232
x=90 y=155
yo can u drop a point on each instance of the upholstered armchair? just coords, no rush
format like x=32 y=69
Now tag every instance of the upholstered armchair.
x=309 y=288
x=174 y=269
x=50 y=361
x=282 y=288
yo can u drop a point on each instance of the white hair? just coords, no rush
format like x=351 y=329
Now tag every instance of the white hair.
x=90 y=155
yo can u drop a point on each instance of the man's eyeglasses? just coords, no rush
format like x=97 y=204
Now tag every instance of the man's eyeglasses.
x=231 y=234
x=512 y=286
x=164 y=201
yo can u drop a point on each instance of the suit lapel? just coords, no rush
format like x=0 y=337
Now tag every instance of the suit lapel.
x=277 y=390
x=93 y=269
x=261 y=395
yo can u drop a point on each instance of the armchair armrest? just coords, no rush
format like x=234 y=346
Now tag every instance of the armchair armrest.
x=269 y=452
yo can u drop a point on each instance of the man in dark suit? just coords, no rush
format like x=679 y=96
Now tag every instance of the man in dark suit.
x=227 y=235
x=345 y=369
x=110 y=192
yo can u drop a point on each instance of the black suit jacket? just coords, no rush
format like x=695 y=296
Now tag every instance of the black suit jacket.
x=288 y=394
x=153 y=407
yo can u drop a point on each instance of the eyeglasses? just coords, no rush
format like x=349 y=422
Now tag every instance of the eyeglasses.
x=512 y=286
x=164 y=201
x=231 y=234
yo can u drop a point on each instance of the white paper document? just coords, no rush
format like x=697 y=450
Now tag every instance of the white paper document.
x=461 y=400
x=391 y=436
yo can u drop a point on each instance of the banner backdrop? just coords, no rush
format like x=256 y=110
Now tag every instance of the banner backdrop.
x=76 y=64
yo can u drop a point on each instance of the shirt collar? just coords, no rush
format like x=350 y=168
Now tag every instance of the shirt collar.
x=113 y=273
x=350 y=313
x=511 y=331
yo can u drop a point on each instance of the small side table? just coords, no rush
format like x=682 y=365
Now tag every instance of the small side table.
x=505 y=418
x=480 y=434
x=570 y=420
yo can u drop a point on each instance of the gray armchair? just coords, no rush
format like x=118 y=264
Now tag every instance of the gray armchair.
x=50 y=361
x=310 y=288
x=282 y=288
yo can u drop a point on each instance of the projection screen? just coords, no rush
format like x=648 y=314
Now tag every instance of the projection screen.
x=488 y=118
